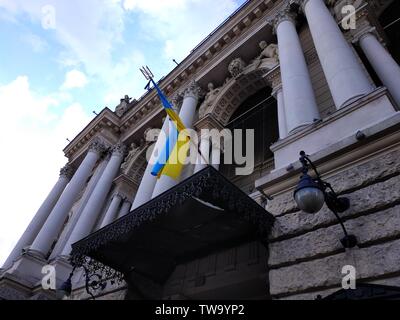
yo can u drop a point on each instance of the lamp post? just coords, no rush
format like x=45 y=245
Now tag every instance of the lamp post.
x=311 y=194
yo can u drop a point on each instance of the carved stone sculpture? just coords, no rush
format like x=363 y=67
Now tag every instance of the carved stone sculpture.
x=236 y=67
x=269 y=56
x=211 y=96
x=134 y=148
x=123 y=106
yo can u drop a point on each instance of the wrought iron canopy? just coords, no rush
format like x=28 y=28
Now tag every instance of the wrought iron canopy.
x=202 y=214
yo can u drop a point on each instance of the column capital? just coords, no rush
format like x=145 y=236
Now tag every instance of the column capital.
x=67 y=171
x=119 y=149
x=120 y=195
x=177 y=99
x=193 y=90
x=127 y=201
x=366 y=24
x=97 y=145
x=285 y=14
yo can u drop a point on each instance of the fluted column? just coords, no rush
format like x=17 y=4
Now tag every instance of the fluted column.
x=56 y=219
x=203 y=158
x=149 y=181
x=298 y=94
x=112 y=210
x=41 y=215
x=346 y=78
x=126 y=207
x=92 y=209
x=383 y=63
x=189 y=105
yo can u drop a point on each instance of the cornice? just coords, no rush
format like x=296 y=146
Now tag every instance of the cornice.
x=201 y=57
x=106 y=119
x=240 y=24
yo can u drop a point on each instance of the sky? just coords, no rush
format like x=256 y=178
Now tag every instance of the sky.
x=60 y=60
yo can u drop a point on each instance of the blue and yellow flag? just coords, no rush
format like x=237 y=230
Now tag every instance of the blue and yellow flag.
x=171 y=159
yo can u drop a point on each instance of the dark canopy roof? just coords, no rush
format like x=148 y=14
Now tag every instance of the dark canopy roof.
x=202 y=214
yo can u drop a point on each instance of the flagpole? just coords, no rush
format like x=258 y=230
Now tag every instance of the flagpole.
x=149 y=76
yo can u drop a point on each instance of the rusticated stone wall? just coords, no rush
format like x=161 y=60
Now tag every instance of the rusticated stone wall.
x=305 y=254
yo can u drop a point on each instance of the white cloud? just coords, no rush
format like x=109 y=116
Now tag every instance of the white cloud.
x=36 y=42
x=32 y=140
x=180 y=24
x=86 y=29
x=74 y=79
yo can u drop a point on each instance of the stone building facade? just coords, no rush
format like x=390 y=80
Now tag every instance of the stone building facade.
x=296 y=73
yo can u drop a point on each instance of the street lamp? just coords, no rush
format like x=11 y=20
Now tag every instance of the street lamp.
x=311 y=194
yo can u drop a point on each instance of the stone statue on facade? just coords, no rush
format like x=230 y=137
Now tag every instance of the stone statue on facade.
x=211 y=96
x=269 y=56
x=236 y=67
x=133 y=150
x=123 y=106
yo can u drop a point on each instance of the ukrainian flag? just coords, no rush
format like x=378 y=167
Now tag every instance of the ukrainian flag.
x=172 y=157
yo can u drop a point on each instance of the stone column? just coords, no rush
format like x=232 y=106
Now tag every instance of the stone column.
x=346 y=78
x=215 y=156
x=203 y=159
x=112 y=210
x=41 y=215
x=298 y=94
x=50 y=230
x=274 y=80
x=149 y=181
x=92 y=209
x=77 y=213
x=383 y=63
x=277 y=93
x=189 y=105
x=125 y=209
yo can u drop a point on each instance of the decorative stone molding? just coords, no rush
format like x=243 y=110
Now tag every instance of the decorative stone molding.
x=97 y=145
x=336 y=6
x=236 y=67
x=193 y=90
x=177 y=99
x=211 y=95
x=134 y=149
x=283 y=15
x=118 y=194
x=274 y=79
x=234 y=92
x=125 y=186
x=119 y=149
x=67 y=171
x=366 y=24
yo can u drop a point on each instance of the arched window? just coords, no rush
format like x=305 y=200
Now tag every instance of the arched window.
x=257 y=112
